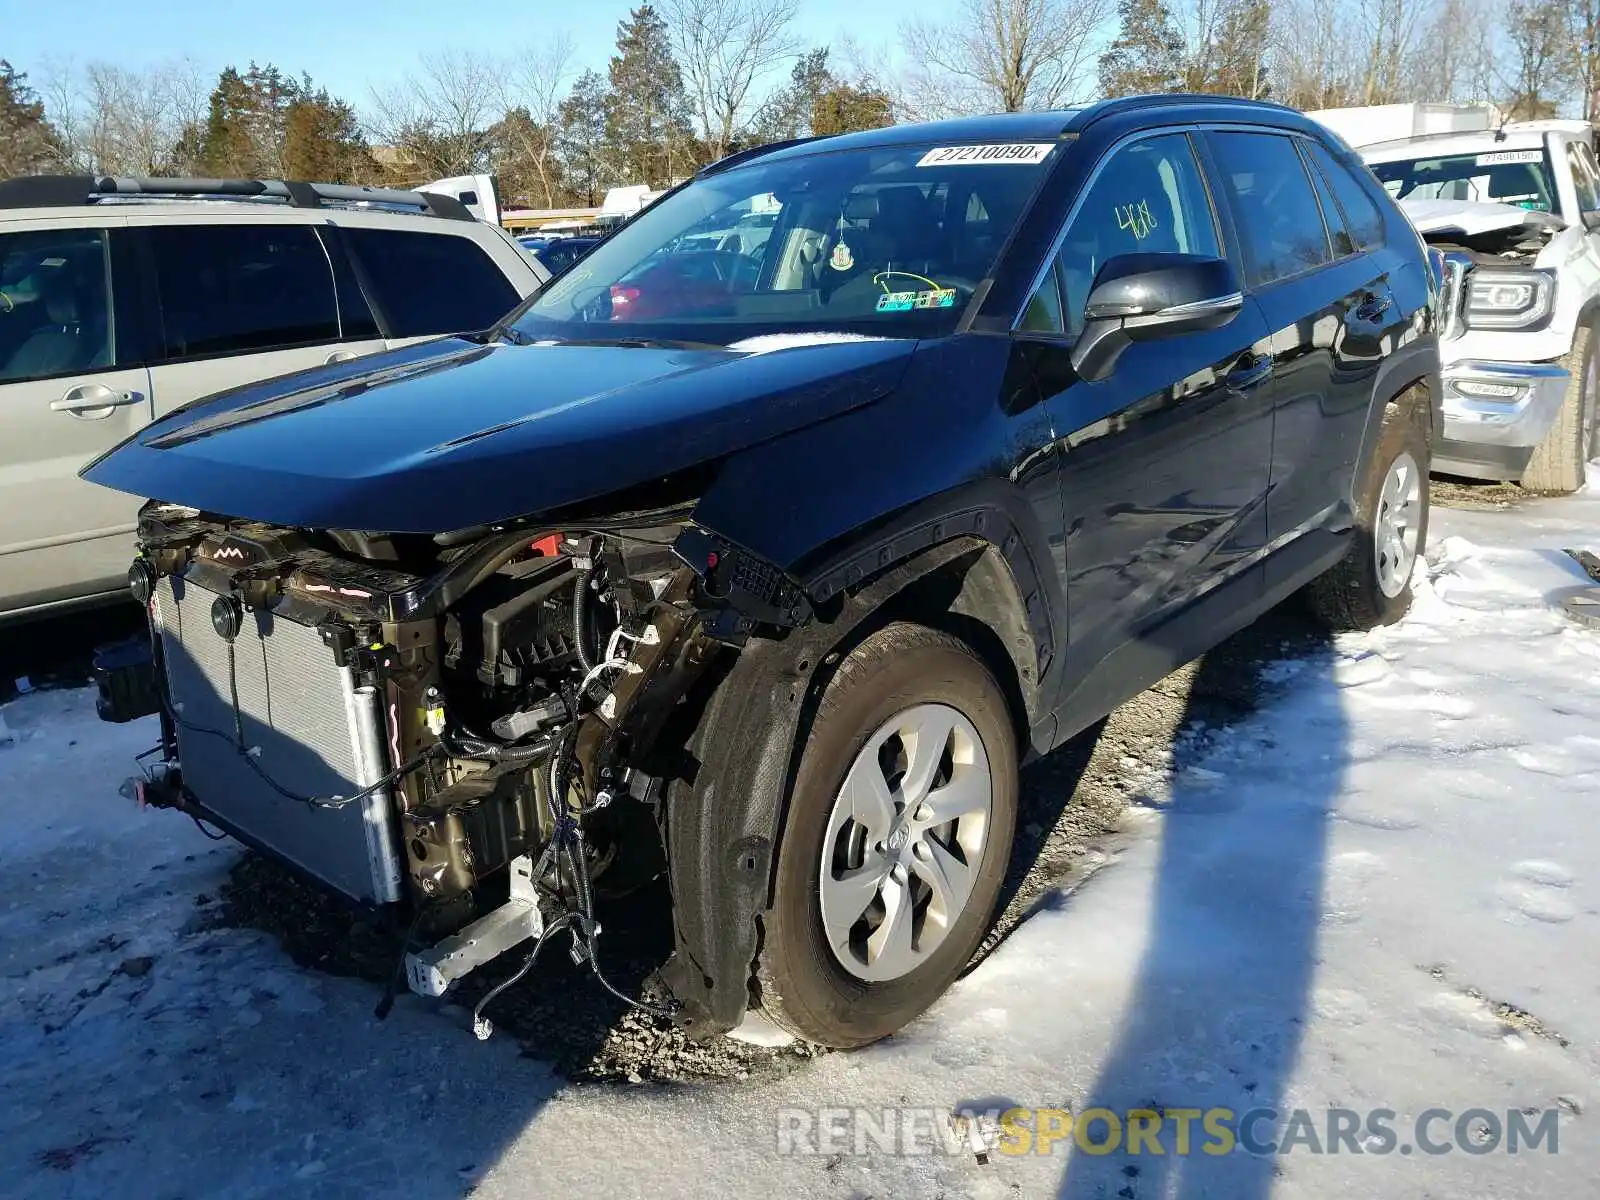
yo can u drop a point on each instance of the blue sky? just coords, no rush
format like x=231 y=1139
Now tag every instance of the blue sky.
x=349 y=47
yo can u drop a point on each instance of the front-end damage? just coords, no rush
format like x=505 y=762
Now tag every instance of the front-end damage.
x=474 y=730
x=1505 y=322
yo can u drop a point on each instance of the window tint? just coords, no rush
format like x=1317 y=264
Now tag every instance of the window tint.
x=1361 y=215
x=234 y=289
x=1275 y=208
x=425 y=283
x=1332 y=221
x=55 y=304
x=1149 y=198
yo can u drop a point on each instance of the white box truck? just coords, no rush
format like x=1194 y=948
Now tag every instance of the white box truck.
x=1387 y=122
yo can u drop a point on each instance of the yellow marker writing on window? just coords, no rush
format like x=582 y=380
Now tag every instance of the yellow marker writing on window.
x=1136 y=219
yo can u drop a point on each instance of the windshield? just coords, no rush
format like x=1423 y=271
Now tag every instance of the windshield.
x=891 y=241
x=1518 y=177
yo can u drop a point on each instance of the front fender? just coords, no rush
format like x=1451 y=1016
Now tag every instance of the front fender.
x=723 y=829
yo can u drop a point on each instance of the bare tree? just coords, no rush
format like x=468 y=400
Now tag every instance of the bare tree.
x=1392 y=27
x=1453 y=56
x=724 y=47
x=532 y=86
x=1583 y=29
x=1009 y=55
x=117 y=119
x=435 y=122
x=1536 y=32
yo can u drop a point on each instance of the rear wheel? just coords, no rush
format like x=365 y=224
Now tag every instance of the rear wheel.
x=1557 y=465
x=1371 y=585
x=896 y=839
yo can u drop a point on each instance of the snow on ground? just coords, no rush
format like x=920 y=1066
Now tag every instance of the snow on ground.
x=1375 y=893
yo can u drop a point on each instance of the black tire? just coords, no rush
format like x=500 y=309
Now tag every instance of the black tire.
x=803 y=988
x=1557 y=465
x=1349 y=595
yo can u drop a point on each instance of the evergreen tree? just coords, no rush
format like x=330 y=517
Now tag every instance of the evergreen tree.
x=263 y=124
x=846 y=107
x=788 y=113
x=581 y=138
x=323 y=142
x=1148 y=54
x=647 y=110
x=29 y=144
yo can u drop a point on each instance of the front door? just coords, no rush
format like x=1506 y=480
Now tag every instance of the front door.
x=65 y=397
x=1164 y=462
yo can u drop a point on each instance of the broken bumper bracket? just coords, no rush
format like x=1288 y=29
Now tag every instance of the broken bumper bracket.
x=431 y=972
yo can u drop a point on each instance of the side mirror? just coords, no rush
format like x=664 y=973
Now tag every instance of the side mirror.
x=1141 y=297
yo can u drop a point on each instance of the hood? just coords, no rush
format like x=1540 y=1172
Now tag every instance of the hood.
x=452 y=433
x=1471 y=218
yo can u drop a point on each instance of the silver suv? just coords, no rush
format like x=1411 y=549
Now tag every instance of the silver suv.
x=123 y=299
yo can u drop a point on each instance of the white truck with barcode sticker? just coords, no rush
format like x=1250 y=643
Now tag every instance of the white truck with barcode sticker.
x=1515 y=210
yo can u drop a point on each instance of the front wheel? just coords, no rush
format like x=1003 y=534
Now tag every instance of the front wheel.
x=896 y=840
x=1557 y=465
x=1371 y=585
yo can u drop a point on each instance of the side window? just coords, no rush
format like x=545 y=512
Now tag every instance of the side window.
x=55 y=304
x=1332 y=220
x=1274 y=205
x=1361 y=214
x=1043 y=314
x=428 y=283
x=241 y=289
x=1585 y=177
x=1149 y=198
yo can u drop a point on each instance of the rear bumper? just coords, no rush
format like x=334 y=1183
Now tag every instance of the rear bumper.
x=1495 y=413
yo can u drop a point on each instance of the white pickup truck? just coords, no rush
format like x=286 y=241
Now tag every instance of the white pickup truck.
x=1516 y=211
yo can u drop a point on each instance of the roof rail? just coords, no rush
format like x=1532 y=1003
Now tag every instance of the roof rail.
x=50 y=191
x=745 y=155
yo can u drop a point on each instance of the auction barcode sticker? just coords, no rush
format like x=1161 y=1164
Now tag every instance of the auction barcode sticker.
x=1498 y=157
x=1020 y=153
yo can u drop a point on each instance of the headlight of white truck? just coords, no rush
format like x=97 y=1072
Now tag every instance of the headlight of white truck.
x=1509 y=298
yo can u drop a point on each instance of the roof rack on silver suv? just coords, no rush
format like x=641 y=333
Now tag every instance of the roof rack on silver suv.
x=52 y=191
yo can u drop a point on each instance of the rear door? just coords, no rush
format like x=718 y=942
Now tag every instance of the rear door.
x=425 y=284
x=1326 y=305
x=235 y=300
x=71 y=387
x=1164 y=462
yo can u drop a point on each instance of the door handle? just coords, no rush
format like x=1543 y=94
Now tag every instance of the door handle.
x=1248 y=372
x=339 y=356
x=94 y=401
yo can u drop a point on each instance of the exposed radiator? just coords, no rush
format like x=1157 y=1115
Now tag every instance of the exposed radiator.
x=308 y=719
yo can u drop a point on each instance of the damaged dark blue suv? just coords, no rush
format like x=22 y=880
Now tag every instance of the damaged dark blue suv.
x=761 y=545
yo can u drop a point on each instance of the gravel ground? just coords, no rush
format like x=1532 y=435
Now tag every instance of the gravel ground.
x=1071 y=806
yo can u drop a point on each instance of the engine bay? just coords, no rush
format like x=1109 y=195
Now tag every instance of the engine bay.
x=518 y=701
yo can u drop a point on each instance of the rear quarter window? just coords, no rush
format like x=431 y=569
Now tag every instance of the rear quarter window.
x=1361 y=215
x=429 y=283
